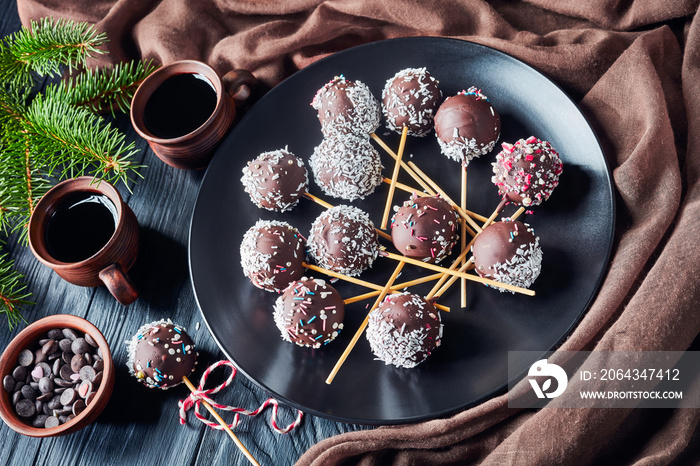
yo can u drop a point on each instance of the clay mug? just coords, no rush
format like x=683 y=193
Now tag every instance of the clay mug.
x=67 y=243
x=183 y=119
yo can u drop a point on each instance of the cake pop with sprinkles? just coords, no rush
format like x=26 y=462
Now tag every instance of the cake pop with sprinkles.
x=508 y=252
x=275 y=180
x=467 y=126
x=343 y=239
x=346 y=107
x=160 y=354
x=527 y=172
x=346 y=166
x=404 y=330
x=410 y=99
x=309 y=313
x=272 y=254
x=425 y=228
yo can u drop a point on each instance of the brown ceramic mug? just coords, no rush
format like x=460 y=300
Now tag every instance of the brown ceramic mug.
x=111 y=260
x=189 y=126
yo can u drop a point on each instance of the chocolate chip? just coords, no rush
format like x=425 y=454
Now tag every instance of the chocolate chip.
x=79 y=346
x=65 y=372
x=52 y=421
x=41 y=370
x=78 y=407
x=39 y=356
x=68 y=397
x=25 y=358
x=55 y=402
x=56 y=368
x=88 y=359
x=70 y=334
x=45 y=385
x=55 y=334
x=38 y=405
x=63 y=418
x=87 y=373
x=76 y=362
x=8 y=382
x=62 y=382
x=29 y=393
x=54 y=356
x=65 y=344
x=98 y=365
x=19 y=385
x=20 y=373
x=90 y=398
x=98 y=379
x=90 y=341
x=67 y=356
x=46 y=396
x=49 y=347
x=85 y=388
x=43 y=341
x=39 y=421
x=25 y=408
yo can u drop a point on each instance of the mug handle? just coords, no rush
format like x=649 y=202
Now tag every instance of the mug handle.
x=239 y=85
x=119 y=284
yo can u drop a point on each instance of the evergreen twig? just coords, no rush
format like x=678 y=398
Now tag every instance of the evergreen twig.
x=13 y=292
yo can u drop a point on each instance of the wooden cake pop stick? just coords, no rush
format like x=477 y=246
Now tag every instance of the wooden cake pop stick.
x=370 y=285
x=440 y=288
x=228 y=430
x=406 y=188
x=463 y=237
x=400 y=286
x=363 y=326
x=406 y=168
x=474 y=278
x=444 y=195
x=394 y=176
x=325 y=204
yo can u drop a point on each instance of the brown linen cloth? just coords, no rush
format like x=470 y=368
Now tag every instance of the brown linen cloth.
x=634 y=68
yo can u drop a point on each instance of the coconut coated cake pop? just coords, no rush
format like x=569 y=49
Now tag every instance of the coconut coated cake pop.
x=346 y=166
x=272 y=254
x=508 y=252
x=467 y=126
x=425 y=228
x=309 y=313
x=161 y=354
x=346 y=107
x=343 y=239
x=275 y=180
x=527 y=172
x=411 y=99
x=404 y=330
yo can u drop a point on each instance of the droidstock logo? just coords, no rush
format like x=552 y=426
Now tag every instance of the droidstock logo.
x=541 y=369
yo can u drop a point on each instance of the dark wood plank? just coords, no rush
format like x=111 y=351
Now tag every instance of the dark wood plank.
x=140 y=426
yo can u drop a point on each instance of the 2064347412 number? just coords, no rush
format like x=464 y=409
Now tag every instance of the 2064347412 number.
x=639 y=374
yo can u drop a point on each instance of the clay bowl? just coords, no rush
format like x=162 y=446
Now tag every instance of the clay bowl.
x=28 y=338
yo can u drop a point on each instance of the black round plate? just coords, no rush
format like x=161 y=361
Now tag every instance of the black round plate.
x=575 y=228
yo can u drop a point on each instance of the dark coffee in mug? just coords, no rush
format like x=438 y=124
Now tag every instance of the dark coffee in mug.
x=80 y=226
x=180 y=105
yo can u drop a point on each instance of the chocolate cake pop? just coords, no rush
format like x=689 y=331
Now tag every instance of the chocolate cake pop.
x=346 y=107
x=346 y=166
x=275 y=180
x=509 y=252
x=425 y=228
x=309 y=313
x=527 y=172
x=161 y=354
x=343 y=239
x=272 y=254
x=404 y=330
x=411 y=99
x=467 y=126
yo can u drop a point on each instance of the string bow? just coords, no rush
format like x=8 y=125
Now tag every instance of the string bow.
x=202 y=394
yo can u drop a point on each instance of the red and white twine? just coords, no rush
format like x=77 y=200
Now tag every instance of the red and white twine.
x=199 y=395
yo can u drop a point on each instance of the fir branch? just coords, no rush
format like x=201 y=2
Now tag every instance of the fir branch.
x=105 y=89
x=45 y=47
x=73 y=140
x=13 y=292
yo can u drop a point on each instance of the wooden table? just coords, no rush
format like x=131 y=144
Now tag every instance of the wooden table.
x=140 y=425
